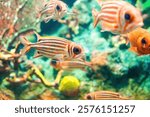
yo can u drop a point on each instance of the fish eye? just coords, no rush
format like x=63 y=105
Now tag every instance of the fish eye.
x=58 y=8
x=127 y=16
x=143 y=41
x=54 y=62
x=76 y=50
x=89 y=97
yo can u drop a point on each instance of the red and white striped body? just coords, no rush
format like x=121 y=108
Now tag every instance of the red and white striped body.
x=54 y=9
x=69 y=65
x=104 y=95
x=55 y=48
x=112 y=16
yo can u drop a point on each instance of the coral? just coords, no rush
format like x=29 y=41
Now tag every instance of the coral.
x=6 y=94
x=99 y=58
x=48 y=95
x=17 y=18
x=69 y=86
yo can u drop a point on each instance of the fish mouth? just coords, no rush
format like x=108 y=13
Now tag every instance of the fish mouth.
x=140 y=24
x=133 y=27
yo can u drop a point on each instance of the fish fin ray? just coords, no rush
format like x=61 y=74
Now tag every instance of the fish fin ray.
x=108 y=27
x=47 y=19
x=58 y=56
x=96 y=16
x=133 y=49
x=100 y=2
x=37 y=55
x=27 y=45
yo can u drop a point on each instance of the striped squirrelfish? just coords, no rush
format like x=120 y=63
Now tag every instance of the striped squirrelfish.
x=117 y=16
x=139 y=41
x=54 y=47
x=54 y=9
x=69 y=65
x=104 y=95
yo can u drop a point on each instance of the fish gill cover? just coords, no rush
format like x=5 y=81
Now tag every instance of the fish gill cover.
x=106 y=64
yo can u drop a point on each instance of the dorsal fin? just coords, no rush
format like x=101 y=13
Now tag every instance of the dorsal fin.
x=100 y=2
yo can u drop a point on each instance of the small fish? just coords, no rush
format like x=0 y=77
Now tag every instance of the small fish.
x=117 y=16
x=54 y=47
x=139 y=41
x=54 y=9
x=104 y=95
x=69 y=65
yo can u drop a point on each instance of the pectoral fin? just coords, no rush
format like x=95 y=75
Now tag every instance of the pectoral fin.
x=133 y=49
x=58 y=57
x=37 y=55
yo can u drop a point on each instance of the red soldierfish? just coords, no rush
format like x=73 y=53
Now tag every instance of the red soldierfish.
x=54 y=47
x=69 y=65
x=54 y=9
x=117 y=16
x=104 y=95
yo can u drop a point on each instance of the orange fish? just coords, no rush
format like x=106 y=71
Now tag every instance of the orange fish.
x=54 y=9
x=139 y=41
x=117 y=16
x=104 y=95
x=69 y=65
x=54 y=47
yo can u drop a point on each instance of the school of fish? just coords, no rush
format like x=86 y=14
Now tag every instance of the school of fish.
x=116 y=16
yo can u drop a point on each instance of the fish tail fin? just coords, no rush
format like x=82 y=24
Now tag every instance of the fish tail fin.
x=27 y=45
x=96 y=17
x=100 y=2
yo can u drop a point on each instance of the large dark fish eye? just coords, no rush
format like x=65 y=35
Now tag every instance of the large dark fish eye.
x=58 y=8
x=127 y=16
x=54 y=62
x=89 y=97
x=76 y=50
x=143 y=41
